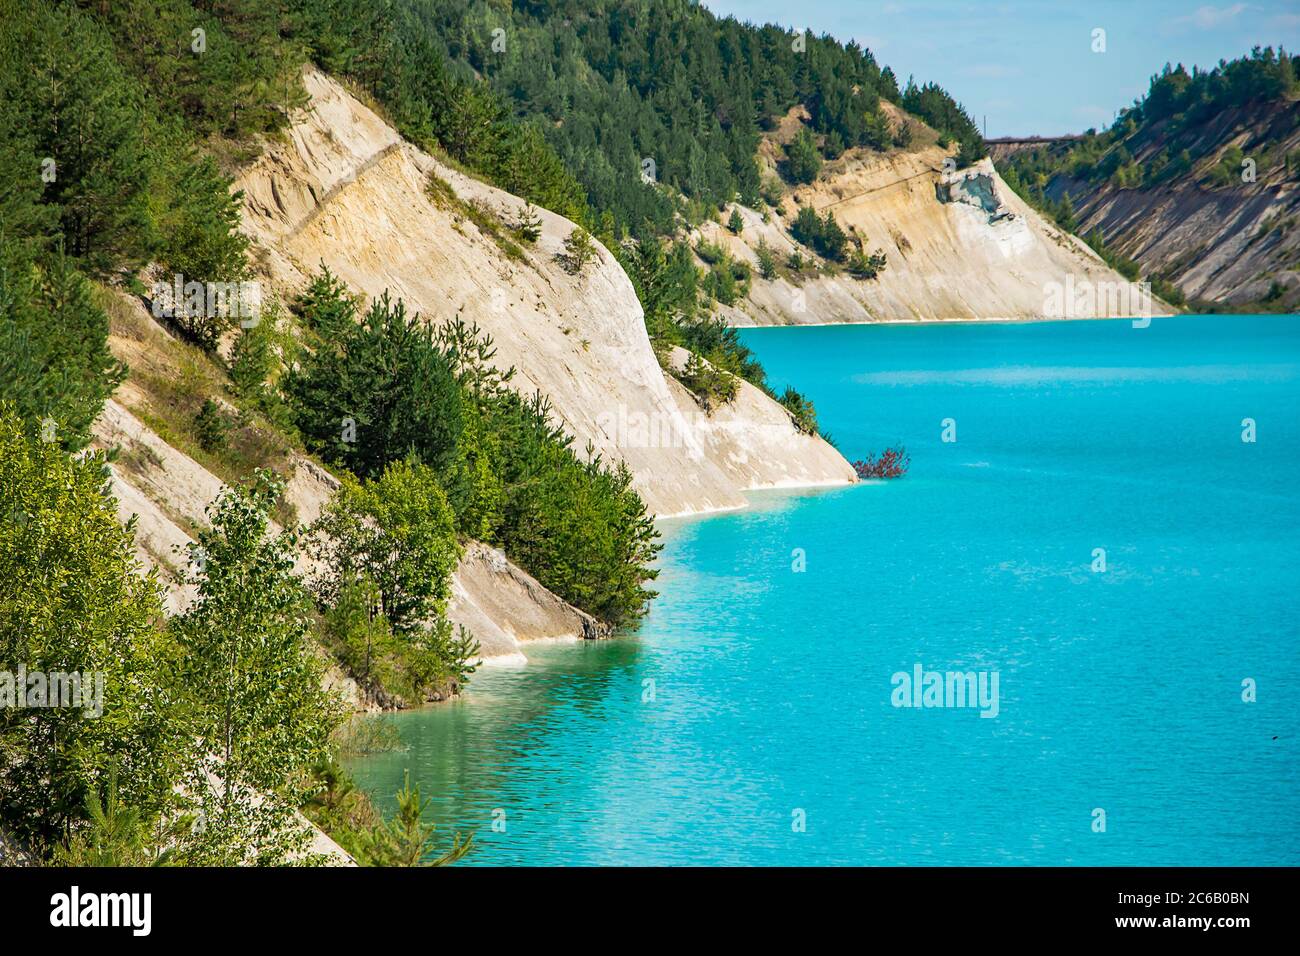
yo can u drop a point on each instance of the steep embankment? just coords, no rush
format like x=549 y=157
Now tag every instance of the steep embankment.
x=960 y=245
x=1218 y=235
x=166 y=491
x=344 y=189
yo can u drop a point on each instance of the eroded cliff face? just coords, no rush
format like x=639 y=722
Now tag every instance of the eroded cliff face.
x=505 y=608
x=345 y=190
x=960 y=245
x=1218 y=241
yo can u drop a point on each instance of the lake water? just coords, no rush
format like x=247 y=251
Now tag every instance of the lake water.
x=750 y=720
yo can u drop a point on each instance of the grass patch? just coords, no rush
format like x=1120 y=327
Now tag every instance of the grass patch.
x=167 y=385
x=443 y=195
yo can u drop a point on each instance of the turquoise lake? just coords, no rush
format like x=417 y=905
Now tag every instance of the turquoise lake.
x=768 y=735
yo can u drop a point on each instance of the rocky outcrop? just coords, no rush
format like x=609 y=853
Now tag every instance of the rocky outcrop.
x=960 y=245
x=167 y=493
x=504 y=607
x=975 y=188
x=343 y=189
x=753 y=426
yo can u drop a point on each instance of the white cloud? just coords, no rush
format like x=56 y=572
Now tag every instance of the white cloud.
x=1210 y=18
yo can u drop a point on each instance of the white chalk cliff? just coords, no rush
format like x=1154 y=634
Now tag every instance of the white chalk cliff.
x=343 y=188
x=960 y=244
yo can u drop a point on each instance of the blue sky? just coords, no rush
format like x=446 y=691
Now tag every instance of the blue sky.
x=1028 y=65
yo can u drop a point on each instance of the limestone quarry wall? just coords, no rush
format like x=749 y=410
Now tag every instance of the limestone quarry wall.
x=1227 y=245
x=345 y=190
x=960 y=246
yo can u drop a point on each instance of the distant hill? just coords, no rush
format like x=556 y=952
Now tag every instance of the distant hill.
x=1197 y=184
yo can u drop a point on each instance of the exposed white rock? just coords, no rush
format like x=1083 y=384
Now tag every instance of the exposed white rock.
x=752 y=428
x=344 y=189
x=960 y=244
x=504 y=607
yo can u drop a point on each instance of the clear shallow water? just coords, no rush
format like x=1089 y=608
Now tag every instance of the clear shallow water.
x=772 y=688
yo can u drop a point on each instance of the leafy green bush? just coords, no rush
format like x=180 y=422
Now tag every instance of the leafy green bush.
x=396 y=530
x=346 y=812
x=802 y=161
x=820 y=233
x=72 y=600
x=863 y=266
x=666 y=279
x=114 y=834
x=1166 y=290
x=407 y=840
x=528 y=226
x=255 y=707
x=355 y=631
x=577 y=525
x=54 y=357
x=211 y=426
x=766 y=260
x=428 y=662
x=711 y=387
x=376 y=389
x=801 y=410
x=257 y=362
x=1227 y=171
x=578 y=251
x=437 y=659
x=720 y=282
x=511 y=477
x=710 y=252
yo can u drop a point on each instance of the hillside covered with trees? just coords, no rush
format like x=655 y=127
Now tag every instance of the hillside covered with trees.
x=639 y=118
x=121 y=125
x=1191 y=186
x=121 y=128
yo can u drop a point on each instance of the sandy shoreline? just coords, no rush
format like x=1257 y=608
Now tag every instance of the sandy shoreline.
x=778 y=486
x=1022 y=320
